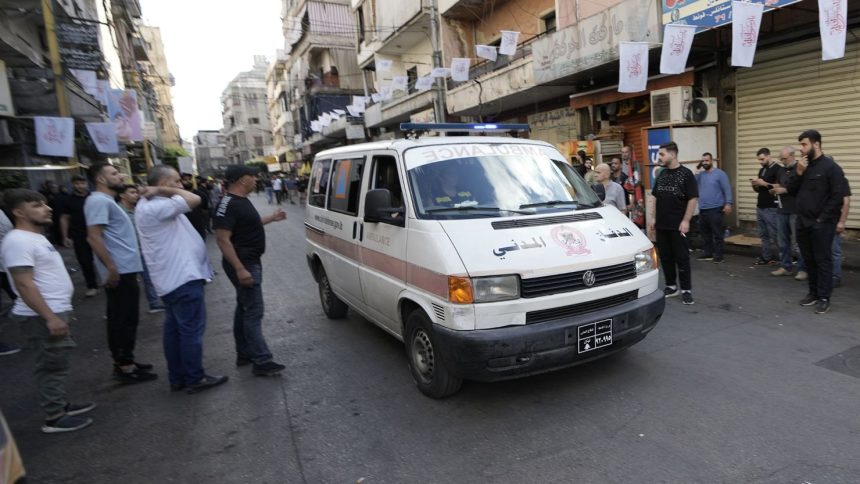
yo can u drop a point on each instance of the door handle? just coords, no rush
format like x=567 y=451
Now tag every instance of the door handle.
x=361 y=232
x=354 y=227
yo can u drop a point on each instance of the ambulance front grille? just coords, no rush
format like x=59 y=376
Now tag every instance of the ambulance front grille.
x=573 y=281
x=534 y=222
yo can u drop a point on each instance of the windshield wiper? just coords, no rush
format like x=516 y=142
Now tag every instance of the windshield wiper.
x=591 y=205
x=550 y=203
x=467 y=208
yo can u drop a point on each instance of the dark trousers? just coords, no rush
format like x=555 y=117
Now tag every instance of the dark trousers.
x=248 y=316
x=279 y=196
x=184 y=324
x=675 y=258
x=84 y=255
x=711 y=226
x=123 y=304
x=816 y=246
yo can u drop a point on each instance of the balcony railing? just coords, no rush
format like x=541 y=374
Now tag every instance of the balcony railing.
x=524 y=49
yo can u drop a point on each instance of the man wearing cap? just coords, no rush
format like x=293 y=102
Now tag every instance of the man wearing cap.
x=242 y=240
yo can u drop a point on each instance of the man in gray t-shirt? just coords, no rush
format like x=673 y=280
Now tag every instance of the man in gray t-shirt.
x=112 y=236
x=615 y=195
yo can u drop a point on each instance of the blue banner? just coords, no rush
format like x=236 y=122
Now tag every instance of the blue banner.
x=707 y=14
x=656 y=137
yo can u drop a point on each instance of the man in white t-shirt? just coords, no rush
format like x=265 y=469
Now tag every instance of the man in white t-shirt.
x=178 y=265
x=43 y=307
x=615 y=195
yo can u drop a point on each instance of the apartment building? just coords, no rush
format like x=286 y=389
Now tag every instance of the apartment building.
x=210 y=152
x=157 y=78
x=246 y=128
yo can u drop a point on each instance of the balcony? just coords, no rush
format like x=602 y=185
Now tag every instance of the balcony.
x=138 y=46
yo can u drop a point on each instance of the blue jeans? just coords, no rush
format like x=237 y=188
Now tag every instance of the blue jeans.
x=248 y=317
x=767 y=230
x=837 y=257
x=786 y=227
x=184 y=324
x=151 y=296
x=270 y=194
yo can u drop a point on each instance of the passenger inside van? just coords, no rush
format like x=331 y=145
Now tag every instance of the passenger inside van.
x=446 y=191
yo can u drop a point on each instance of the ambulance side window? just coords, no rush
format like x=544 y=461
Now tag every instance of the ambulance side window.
x=345 y=185
x=385 y=176
x=320 y=174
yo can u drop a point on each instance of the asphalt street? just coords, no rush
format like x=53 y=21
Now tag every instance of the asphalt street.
x=743 y=386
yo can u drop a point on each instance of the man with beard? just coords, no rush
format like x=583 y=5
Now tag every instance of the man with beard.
x=113 y=239
x=786 y=225
x=766 y=205
x=73 y=227
x=199 y=215
x=715 y=199
x=818 y=185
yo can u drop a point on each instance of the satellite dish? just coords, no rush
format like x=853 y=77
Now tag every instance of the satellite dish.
x=698 y=111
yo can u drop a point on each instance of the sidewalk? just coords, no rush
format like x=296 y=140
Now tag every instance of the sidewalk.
x=749 y=244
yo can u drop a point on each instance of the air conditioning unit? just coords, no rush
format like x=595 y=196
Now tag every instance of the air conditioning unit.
x=702 y=110
x=669 y=106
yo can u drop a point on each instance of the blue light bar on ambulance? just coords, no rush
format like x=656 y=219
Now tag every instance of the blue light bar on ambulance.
x=463 y=127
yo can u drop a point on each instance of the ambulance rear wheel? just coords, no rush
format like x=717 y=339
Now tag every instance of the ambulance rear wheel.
x=428 y=369
x=333 y=307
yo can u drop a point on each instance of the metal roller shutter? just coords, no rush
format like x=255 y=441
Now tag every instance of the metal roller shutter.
x=790 y=89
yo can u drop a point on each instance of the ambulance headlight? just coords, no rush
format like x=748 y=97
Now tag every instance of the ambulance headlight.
x=646 y=261
x=498 y=288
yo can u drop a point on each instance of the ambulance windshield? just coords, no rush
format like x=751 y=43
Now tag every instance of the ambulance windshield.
x=497 y=184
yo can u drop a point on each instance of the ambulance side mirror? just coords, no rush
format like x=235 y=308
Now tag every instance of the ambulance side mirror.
x=377 y=208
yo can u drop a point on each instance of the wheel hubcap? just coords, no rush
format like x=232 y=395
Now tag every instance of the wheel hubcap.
x=423 y=356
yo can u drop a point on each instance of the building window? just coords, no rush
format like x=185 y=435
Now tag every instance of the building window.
x=412 y=76
x=258 y=141
x=548 y=22
x=360 y=14
x=253 y=120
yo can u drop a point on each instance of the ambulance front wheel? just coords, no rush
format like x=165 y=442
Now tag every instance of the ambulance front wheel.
x=333 y=307
x=428 y=369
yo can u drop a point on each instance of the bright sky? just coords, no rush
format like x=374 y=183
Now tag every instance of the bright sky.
x=208 y=42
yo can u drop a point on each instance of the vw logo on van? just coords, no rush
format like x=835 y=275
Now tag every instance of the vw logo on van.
x=588 y=278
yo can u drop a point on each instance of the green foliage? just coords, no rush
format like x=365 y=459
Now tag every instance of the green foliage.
x=175 y=152
x=13 y=179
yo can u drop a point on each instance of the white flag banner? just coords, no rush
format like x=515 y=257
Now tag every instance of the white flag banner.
x=383 y=65
x=55 y=136
x=87 y=79
x=633 y=68
x=424 y=83
x=339 y=112
x=359 y=102
x=315 y=126
x=376 y=97
x=460 y=69
x=325 y=121
x=488 y=52
x=677 y=41
x=398 y=83
x=832 y=15
x=102 y=91
x=746 y=19
x=104 y=137
x=440 y=72
x=353 y=111
x=386 y=93
x=509 y=42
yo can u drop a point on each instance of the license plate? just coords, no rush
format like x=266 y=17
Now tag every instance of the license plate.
x=592 y=336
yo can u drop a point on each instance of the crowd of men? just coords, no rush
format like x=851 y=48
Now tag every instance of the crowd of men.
x=281 y=187
x=120 y=233
x=802 y=208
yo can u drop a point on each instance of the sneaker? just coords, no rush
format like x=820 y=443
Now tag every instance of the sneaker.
x=801 y=276
x=7 y=349
x=155 y=310
x=772 y=262
x=809 y=300
x=91 y=292
x=781 y=272
x=822 y=306
x=761 y=261
x=687 y=298
x=134 y=376
x=242 y=361
x=66 y=423
x=142 y=366
x=206 y=383
x=268 y=368
x=671 y=291
x=79 y=408
x=718 y=260
x=705 y=257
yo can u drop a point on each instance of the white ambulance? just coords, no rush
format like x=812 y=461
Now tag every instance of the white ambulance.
x=489 y=257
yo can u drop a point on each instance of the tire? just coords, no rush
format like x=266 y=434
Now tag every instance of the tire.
x=333 y=307
x=428 y=369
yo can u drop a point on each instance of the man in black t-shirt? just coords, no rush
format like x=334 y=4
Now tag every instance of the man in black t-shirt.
x=766 y=206
x=199 y=215
x=676 y=193
x=242 y=240
x=73 y=228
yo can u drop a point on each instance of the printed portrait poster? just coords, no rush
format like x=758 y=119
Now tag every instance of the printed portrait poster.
x=123 y=112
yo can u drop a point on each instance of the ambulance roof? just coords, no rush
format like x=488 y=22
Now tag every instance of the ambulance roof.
x=403 y=144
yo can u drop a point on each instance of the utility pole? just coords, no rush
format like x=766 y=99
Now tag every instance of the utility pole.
x=54 y=53
x=439 y=102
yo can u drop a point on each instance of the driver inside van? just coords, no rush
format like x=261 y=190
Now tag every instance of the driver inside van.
x=446 y=190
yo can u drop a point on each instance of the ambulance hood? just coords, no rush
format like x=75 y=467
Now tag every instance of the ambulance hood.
x=547 y=244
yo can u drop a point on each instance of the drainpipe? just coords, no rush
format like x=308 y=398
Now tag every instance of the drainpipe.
x=439 y=101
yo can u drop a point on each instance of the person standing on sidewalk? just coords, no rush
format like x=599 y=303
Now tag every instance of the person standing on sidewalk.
x=44 y=306
x=786 y=220
x=113 y=239
x=837 y=239
x=6 y=226
x=766 y=205
x=715 y=200
x=676 y=194
x=818 y=184
x=278 y=188
x=242 y=240
x=73 y=227
x=177 y=260
x=128 y=198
